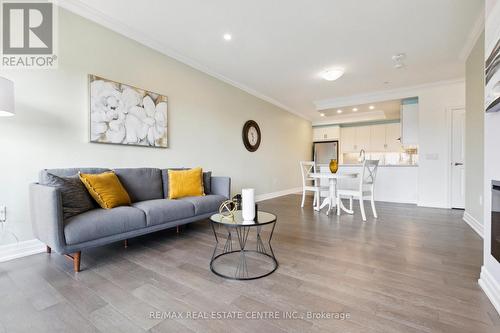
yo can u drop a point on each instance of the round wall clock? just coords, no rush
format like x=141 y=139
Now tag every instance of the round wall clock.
x=251 y=135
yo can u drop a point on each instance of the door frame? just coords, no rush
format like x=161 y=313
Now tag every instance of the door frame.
x=449 y=124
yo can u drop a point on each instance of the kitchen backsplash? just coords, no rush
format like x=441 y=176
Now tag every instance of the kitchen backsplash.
x=398 y=158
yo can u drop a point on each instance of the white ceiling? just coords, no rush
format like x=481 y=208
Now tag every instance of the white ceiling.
x=385 y=110
x=280 y=46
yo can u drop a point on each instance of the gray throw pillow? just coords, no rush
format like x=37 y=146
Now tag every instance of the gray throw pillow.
x=207 y=188
x=75 y=197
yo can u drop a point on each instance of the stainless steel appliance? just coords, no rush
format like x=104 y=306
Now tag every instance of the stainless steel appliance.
x=495 y=220
x=325 y=151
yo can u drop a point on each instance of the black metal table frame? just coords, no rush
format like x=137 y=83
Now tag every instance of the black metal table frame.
x=242 y=232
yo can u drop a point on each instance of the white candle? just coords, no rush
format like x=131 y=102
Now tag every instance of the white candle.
x=248 y=204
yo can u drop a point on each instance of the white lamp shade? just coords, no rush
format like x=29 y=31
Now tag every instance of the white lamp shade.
x=6 y=98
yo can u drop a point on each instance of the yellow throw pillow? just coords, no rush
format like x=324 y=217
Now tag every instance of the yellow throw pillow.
x=106 y=189
x=185 y=183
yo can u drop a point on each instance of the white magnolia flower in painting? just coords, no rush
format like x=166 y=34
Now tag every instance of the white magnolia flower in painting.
x=109 y=108
x=106 y=106
x=146 y=122
x=121 y=114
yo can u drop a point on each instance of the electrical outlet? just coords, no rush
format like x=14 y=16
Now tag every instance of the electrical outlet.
x=481 y=200
x=3 y=213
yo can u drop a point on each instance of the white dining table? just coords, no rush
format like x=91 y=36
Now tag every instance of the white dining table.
x=331 y=199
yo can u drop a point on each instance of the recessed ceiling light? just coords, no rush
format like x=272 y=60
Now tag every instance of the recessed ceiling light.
x=355 y=109
x=339 y=111
x=332 y=74
x=227 y=37
x=322 y=114
x=372 y=107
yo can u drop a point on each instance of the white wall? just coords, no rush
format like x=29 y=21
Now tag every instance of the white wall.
x=474 y=133
x=490 y=272
x=206 y=117
x=434 y=141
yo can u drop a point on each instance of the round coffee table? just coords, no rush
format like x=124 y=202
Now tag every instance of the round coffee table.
x=254 y=259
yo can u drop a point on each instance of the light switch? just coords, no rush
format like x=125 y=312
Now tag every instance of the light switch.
x=3 y=213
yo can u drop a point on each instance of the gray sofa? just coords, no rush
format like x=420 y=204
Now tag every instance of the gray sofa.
x=149 y=212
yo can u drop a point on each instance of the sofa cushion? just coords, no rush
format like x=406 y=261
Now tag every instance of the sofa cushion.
x=164 y=179
x=163 y=210
x=205 y=204
x=207 y=181
x=99 y=223
x=75 y=197
x=67 y=172
x=141 y=183
x=185 y=183
x=106 y=189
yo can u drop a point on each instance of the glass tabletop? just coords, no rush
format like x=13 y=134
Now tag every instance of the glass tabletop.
x=237 y=219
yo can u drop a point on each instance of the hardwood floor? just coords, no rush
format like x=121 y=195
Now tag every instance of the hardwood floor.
x=411 y=270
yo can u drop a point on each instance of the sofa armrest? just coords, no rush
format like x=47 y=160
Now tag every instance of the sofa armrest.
x=47 y=216
x=221 y=186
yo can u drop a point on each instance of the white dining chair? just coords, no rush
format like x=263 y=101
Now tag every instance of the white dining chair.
x=308 y=183
x=366 y=189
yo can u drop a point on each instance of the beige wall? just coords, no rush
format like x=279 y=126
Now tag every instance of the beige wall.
x=474 y=131
x=206 y=117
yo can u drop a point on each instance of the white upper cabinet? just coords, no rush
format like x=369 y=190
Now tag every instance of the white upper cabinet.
x=409 y=124
x=363 y=137
x=326 y=133
x=374 y=138
x=348 y=140
x=377 y=135
x=392 y=137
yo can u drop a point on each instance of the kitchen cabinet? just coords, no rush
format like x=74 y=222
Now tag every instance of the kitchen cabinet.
x=373 y=138
x=326 y=133
x=409 y=124
x=348 y=139
x=362 y=138
x=353 y=139
x=392 y=137
x=377 y=138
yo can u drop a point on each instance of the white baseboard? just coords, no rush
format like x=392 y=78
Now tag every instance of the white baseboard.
x=21 y=249
x=473 y=223
x=272 y=195
x=490 y=287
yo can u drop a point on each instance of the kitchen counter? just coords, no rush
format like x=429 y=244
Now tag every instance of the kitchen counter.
x=394 y=183
x=383 y=166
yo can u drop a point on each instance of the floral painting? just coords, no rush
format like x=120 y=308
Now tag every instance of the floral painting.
x=122 y=114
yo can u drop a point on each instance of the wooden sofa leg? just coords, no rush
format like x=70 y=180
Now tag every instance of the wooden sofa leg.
x=49 y=250
x=76 y=260
x=125 y=243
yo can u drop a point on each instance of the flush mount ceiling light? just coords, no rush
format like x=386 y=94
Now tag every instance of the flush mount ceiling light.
x=339 y=111
x=332 y=74
x=399 y=60
x=372 y=107
x=227 y=37
x=354 y=109
x=322 y=114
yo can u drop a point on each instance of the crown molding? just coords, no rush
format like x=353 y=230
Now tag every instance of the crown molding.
x=473 y=36
x=380 y=96
x=83 y=10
